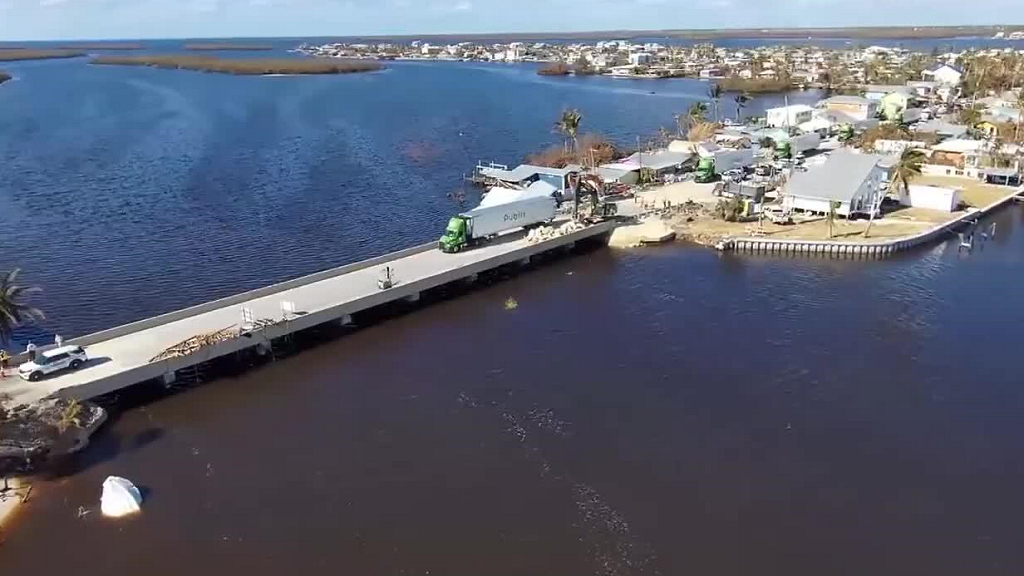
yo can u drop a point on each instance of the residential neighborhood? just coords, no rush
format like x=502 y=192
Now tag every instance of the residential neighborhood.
x=903 y=152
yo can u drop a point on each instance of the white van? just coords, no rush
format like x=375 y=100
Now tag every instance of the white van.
x=72 y=357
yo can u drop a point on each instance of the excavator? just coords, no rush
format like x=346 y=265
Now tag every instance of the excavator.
x=591 y=186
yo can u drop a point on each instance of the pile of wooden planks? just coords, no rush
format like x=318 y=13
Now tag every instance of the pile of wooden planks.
x=193 y=344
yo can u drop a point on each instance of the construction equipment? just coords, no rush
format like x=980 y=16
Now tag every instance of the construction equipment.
x=591 y=186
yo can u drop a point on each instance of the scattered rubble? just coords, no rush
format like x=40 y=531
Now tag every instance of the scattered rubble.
x=195 y=343
x=52 y=427
x=544 y=233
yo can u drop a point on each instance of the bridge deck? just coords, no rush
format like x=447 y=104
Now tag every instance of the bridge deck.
x=123 y=360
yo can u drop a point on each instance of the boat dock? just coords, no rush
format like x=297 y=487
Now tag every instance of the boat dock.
x=127 y=355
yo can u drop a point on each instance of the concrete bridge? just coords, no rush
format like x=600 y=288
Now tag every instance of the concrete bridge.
x=121 y=357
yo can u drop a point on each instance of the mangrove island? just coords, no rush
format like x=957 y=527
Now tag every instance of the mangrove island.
x=253 y=66
x=12 y=55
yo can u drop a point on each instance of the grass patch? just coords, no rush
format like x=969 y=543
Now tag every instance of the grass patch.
x=12 y=55
x=254 y=66
x=975 y=194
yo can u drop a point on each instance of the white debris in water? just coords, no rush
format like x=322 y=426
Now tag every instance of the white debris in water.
x=120 y=497
x=550 y=232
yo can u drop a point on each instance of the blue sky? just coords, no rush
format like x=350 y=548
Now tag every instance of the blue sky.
x=108 y=19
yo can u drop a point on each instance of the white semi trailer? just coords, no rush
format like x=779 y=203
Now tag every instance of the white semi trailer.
x=479 y=224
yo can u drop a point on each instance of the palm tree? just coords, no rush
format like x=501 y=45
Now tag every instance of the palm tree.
x=694 y=115
x=715 y=93
x=1020 y=114
x=907 y=168
x=569 y=125
x=832 y=207
x=697 y=113
x=741 y=100
x=13 y=311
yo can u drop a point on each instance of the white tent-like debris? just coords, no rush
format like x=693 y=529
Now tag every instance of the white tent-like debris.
x=120 y=497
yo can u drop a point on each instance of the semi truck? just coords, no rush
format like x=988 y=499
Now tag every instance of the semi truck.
x=705 y=170
x=485 y=222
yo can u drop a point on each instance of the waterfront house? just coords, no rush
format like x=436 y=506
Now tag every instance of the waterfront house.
x=856 y=107
x=787 y=116
x=526 y=174
x=662 y=162
x=851 y=179
x=943 y=74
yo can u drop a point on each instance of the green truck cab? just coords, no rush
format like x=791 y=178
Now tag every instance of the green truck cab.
x=705 y=171
x=456 y=236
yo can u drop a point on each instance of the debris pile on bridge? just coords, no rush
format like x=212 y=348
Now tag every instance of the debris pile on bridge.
x=193 y=344
x=550 y=232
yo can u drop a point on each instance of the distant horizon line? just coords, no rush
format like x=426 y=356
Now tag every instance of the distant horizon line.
x=923 y=32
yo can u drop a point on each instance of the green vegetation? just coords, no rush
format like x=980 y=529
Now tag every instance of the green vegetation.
x=730 y=209
x=226 y=46
x=715 y=94
x=13 y=310
x=569 y=125
x=970 y=116
x=984 y=73
x=23 y=54
x=254 y=66
x=754 y=85
x=907 y=168
x=583 y=68
x=555 y=69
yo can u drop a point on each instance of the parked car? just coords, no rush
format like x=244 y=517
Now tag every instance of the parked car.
x=736 y=175
x=63 y=358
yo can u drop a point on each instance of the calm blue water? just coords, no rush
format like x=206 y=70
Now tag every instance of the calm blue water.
x=133 y=191
x=662 y=411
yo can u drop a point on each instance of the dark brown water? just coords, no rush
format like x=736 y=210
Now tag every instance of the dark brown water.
x=668 y=411
x=665 y=411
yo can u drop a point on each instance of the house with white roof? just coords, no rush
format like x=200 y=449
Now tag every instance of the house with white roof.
x=853 y=180
x=944 y=74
